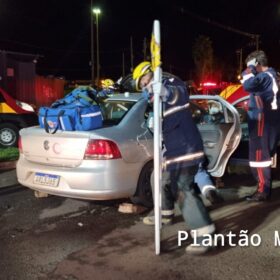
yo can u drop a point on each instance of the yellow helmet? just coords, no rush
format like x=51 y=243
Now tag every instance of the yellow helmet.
x=140 y=70
x=107 y=83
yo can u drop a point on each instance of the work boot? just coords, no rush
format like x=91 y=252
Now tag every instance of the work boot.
x=258 y=197
x=198 y=248
x=165 y=219
x=214 y=197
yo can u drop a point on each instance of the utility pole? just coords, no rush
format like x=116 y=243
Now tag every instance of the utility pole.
x=170 y=69
x=257 y=42
x=97 y=12
x=239 y=53
x=145 y=49
x=131 y=54
x=92 y=45
x=123 y=65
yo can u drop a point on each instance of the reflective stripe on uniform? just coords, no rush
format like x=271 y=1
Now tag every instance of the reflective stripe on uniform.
x=206 y=188
x=260 y=163
x=175 y=109
x=187 y=157
x=275 y=91
x=167 y=212
x=203 y=230
x=175 y=97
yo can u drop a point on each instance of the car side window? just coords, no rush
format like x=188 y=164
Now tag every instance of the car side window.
x=207 y=112
x=114 y=111
x=243 y=122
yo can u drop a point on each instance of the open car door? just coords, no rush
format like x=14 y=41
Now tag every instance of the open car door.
x=219 y=125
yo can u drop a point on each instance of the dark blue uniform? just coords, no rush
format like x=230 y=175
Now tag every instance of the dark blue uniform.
x=184 y=152
x=263 y=124
x=181 y=137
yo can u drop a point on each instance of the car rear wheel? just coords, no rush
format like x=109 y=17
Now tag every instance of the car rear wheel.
x=143 y=194
x=8 y=135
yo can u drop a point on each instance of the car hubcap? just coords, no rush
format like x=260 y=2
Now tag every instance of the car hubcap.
x=7 y=136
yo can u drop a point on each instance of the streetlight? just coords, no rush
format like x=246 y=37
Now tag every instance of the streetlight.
x=97 y=11
x=92 y=47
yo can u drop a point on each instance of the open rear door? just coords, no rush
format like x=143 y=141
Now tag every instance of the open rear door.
x=219 y=125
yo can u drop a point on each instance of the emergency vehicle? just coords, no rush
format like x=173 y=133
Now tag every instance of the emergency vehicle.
x=236 y=95
x=232 y=93
x=14 y=115
x=211 y=88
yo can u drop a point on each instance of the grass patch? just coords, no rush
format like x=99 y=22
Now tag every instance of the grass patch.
x=7 y=154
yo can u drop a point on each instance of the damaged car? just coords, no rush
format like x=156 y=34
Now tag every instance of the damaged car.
x=116 y=161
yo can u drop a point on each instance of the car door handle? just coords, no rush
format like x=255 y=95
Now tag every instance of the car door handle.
x=209 y=144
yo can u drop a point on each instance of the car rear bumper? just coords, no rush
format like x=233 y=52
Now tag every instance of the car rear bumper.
x=100 y=181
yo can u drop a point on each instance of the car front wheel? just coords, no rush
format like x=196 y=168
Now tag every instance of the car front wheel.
x=8 y=135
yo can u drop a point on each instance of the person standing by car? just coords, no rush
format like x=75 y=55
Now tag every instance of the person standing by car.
x=108 y=88
x=184 y=153
x=263 y=120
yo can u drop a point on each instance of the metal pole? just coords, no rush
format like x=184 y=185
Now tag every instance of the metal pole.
x=240 y=61
x=97 y=50
x=157 y=137
x=123 y=65
x=131 y=54
x=92 y=46
x=257 y=42
x=145 y=49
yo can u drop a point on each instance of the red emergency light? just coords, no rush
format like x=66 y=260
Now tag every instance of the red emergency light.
x=209 y=84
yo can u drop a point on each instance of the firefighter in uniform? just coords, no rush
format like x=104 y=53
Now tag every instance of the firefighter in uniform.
x=183 y=154
x=263 y=124
x=108 y=88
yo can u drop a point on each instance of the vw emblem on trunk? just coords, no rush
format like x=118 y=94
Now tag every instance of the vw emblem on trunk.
x=46 y=145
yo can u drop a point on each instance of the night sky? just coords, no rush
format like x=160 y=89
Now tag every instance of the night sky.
x=59 y=30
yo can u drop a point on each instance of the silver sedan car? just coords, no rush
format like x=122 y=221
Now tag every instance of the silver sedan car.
x=116 y=160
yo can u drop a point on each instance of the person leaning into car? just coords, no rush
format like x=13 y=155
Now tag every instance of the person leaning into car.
x=263 y=120
x=184 y=153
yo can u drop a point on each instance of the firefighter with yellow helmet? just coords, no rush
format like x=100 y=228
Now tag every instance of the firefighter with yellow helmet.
x=108 y=88
x=140 y=71
x=183 y=154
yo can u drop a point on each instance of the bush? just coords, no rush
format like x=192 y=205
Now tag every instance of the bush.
x=7 y=154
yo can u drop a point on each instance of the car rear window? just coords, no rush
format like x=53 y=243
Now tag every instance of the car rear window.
x=113 y=111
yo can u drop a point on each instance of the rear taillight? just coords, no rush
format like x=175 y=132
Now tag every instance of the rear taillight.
x=20 y=145
x=102 y=149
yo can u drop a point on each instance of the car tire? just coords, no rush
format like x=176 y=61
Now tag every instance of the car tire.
x=143 y=194
x=9 y=135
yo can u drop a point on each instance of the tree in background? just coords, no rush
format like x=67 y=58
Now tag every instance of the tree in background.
x=202 y=52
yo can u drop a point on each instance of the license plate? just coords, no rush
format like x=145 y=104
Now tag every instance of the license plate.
x=46 y=179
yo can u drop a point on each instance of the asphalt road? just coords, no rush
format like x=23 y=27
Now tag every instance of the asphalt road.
x=59 y=238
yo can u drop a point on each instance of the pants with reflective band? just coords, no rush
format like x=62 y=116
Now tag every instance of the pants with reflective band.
x=203 y=180
x=263 y=139
x=179 y=184
x=263 y=177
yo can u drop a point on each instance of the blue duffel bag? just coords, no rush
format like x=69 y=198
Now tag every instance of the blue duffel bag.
x=80 y=113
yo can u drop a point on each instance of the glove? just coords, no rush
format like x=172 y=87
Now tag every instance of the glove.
x=145 y=94
x=251 y=66
x=250 y=70
x=252 y=62
x=162 y=90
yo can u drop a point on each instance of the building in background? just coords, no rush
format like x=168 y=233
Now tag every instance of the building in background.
x=19 y=79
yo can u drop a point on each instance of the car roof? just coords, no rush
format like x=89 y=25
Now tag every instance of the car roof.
x=127 y=96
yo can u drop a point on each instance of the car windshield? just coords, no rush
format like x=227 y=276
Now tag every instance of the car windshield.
x=113 y=111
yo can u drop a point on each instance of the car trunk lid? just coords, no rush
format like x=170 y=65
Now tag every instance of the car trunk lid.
x=63 y=148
